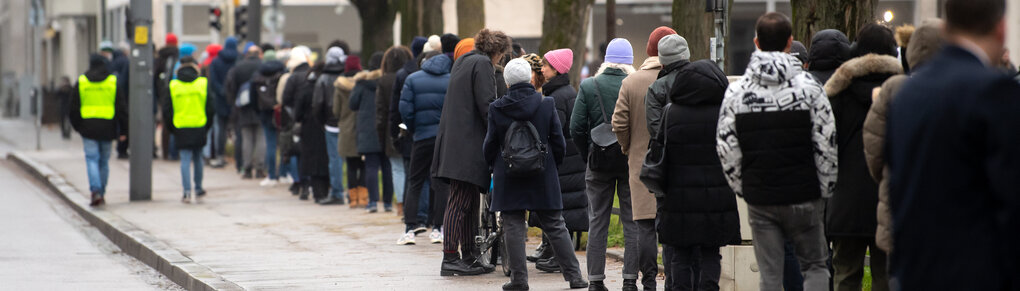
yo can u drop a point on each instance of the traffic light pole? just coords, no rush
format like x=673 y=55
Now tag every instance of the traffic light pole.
x=255 y=22
x=140 y=119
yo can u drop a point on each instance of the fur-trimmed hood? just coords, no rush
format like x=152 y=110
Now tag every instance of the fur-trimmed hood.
x=859 y=67
x=347 y=83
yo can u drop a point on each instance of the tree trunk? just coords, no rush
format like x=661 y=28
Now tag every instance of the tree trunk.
x=470 y=17
x=376 y=26
x=811 y=16
x=420 y=18
x=610 y=20
x=565 y=25
x=692 y=22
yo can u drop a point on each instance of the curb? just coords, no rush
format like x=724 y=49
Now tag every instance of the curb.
x=130 y=239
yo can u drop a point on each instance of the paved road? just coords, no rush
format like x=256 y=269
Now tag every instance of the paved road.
x=46 y=246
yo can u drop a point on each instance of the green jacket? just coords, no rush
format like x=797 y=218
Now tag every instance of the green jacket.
x=587 y=114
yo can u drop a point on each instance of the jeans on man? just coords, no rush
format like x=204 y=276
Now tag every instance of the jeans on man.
x=801 y=224
x=97 y=163
x=189 y=156
x=793 y=280
x=374 y=163
x=253 y=147
x=269 y=131
x=336 y=164
x=399 y=177
x=600 y=187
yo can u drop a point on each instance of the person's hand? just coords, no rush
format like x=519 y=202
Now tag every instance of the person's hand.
x=123 y=138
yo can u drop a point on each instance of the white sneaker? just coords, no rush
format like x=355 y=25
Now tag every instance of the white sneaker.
x=436 y=236
x=268 y=183
x=406 y=239
x=286 y=180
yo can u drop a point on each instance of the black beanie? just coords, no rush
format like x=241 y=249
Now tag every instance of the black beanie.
x=97 y=62
x=874 y=39
x=449 y=42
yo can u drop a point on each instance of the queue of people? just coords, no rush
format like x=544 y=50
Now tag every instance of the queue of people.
x=840 y=155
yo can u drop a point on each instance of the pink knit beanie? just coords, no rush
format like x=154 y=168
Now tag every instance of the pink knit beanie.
x=560 y=59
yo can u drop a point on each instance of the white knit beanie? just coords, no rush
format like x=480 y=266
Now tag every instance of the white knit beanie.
x=517 y=71
x=433 y=44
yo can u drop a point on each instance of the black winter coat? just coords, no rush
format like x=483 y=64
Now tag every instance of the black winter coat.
x=363 y=104
x=166 y=57
x=218 y=70
x=322 y=97
x=829 y=49
x=403 y=145
x=851 y=211
x=540 y=192
x=313 y=158
x=698 y=208
x=575 y=201
x=189 y=138
x=462 y=128
x=247 y=115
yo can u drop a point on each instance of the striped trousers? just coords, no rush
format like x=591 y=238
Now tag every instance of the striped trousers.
x=460 y=222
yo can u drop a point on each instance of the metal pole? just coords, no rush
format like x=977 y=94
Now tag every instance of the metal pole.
x=140 y=119
x=255 y=21
x=38 y=13
x=178 y=14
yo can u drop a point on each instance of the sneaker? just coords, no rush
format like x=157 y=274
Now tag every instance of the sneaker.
x=406 y=239
x=268 y=182
x=372 y=210
x=436 y=236
x=420 y=229
x=199 y=194
x=96 y=199
x=286 y=180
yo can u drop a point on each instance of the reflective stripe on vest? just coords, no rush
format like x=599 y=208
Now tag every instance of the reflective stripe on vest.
x=189 y=102
x=97 y=98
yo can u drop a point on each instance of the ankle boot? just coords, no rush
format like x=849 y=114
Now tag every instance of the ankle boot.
x=363 y=196
x=543 y=252
x=630 y=285
x=352 y=197
x=453 y=265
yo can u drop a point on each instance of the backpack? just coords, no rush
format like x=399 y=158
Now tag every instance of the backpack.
x=243 y=95
x=265 y=90
x=523 y=150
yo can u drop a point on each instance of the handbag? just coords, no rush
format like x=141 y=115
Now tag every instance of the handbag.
x=605 y=153
x=653 y=169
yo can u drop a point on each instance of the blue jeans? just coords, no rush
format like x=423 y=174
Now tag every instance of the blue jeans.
x=373 y=164
x=271 y=135
x=399 y=178
x=336 y=166
x=217 y=139
x=189 y=156
x=289 y=167
x=97 y=162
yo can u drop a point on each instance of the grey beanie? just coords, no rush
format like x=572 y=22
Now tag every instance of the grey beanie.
x=673 y=48
x=517 y=71
x=335 y=55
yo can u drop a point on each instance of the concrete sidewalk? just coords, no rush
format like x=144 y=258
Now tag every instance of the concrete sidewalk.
x=264 y=238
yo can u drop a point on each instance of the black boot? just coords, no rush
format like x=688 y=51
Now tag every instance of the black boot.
x=550 y=265
x=578 y=283
x=630 y=285
x=597 y=286
x=453 y=265
x=304 y=193
x=295 y=188
x=515 y=286
x=543 y=252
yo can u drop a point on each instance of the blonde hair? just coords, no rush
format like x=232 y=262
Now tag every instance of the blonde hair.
x=627 y=69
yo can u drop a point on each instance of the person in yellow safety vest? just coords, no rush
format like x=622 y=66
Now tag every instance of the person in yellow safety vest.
x=189 y=117
x=98 y=111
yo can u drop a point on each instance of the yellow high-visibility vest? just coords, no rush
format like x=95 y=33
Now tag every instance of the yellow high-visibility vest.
x=97 y=98
x=188 y=99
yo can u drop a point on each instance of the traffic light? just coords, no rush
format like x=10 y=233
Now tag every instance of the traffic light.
x=241 y=21
x=214 y=18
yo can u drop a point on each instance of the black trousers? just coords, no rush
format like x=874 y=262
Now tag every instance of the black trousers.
x=320 y=186
x=417 y=173
x=355 y=172
x=692 y=268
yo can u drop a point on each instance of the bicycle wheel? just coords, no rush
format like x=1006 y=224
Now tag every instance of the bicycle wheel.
x=503 y=253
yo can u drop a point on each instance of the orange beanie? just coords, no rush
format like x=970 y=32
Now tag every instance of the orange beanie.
x=464 y=46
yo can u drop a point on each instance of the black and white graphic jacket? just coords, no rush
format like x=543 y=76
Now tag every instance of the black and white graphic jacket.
x=776 y=134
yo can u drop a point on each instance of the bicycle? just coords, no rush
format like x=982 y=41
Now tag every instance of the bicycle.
x=489 y=240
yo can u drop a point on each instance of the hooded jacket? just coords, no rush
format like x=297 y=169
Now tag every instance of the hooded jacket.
x=189 y=138
x=777 y=116
x=322 y=98
x=218 y=76
x=629 y=124
x=699 y=208
x=458 y=153
x=348 y=120
x=572 y=184
x=100 y=129
x=540 y=192
x=851 y=210
x=241 y=73
x=363 y=104
x=829 y=49
x=421 y=100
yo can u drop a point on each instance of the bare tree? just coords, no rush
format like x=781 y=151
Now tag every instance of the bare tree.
x=811 y=16
x=564 y=25
x=376 y=25
x=420 y=18
x=470 y=17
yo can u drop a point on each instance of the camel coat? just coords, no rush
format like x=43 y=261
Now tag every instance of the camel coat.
x=630 y=127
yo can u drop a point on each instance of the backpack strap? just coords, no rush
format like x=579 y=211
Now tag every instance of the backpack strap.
x=536 y=136
x=598 y=95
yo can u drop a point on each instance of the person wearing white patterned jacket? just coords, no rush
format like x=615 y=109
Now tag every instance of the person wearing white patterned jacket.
x=777 y=145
